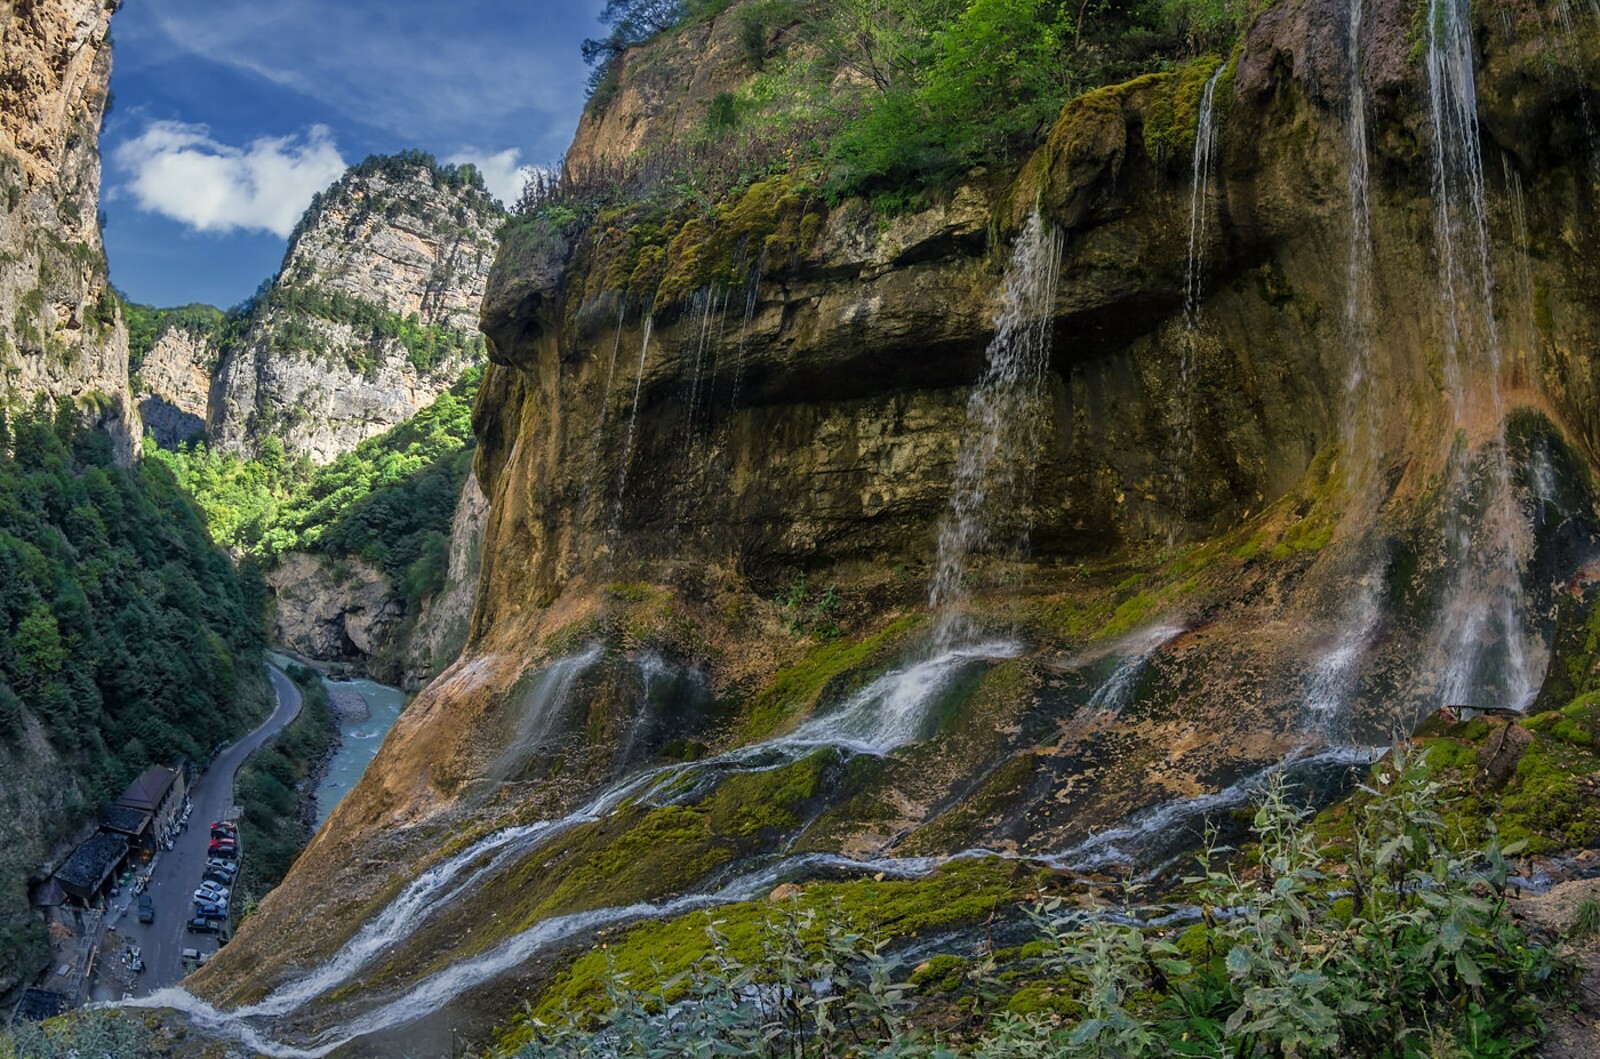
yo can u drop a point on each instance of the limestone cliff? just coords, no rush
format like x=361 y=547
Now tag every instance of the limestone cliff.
x=174 y=383
x=1312 y=451
x=371 y=317
x=342 y=609
x=60 y=332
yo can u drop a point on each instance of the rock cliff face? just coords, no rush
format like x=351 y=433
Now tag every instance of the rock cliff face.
x=174 y=385
x=61 y=335
x=1311 y=452
x=371 y=317
x=341 y=609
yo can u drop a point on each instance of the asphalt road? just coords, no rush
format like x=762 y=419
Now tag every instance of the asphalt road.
x=178 y=872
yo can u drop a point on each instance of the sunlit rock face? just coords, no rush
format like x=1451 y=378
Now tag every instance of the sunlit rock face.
x=61 y=335
x=1308 y=456
x=372 y=316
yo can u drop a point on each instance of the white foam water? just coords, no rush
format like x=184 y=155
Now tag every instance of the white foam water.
x=1001 y=440
x=1116 y=692
x=1125 y=845
x=892 y=711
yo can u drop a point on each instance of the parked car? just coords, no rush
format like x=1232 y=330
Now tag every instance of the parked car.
x=147 y=909
x=221 y=878
x=211 y=909
x=211 y=892
x=202 y=925
x=222 y=865
x=228 y=852
x=227 y=826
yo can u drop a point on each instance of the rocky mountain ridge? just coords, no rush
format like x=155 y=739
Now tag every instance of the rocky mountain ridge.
x=372 y=316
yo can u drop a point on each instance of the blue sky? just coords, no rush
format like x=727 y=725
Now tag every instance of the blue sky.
x=230 y=115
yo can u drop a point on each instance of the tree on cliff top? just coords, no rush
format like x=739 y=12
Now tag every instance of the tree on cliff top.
x=631 y=21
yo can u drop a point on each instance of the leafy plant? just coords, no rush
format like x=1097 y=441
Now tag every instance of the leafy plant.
x=1398 y=945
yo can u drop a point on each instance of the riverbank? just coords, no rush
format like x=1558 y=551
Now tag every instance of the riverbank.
x=366 y=710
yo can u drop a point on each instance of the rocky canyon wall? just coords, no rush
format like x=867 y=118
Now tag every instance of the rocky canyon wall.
x=1311 y=454
x=61 y=335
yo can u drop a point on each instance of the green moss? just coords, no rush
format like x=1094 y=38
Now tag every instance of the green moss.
x=774 y=220
x=796 y=688
x=1051 y=997
x=748 y=804
x=941 y=974
x=630 y=592
x=1447 y=754
x=961 y=893
x=1172 y=118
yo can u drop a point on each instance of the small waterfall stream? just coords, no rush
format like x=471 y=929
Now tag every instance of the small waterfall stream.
x=1205 y=150
x=1200 y=194
x=1336 y=672
x=994 y=468
x=1490 y=657
x=633 y=424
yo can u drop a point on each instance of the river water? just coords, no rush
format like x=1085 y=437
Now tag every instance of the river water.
x=359 y=740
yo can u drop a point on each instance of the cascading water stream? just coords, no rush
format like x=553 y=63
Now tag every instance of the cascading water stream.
x=1116 y=693
x=1485 y=610
x=633 y=422
x=994 y=468
x=1205 y=149
x=1334 y=676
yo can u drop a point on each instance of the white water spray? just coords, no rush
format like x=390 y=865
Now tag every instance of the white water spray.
x=1485 y=614
x=994 y=468
x=633 y=421
x=1116 y=693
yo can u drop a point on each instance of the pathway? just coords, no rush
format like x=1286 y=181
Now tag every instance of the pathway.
x=177 y=872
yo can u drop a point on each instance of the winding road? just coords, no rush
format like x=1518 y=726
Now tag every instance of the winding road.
x=178 y=871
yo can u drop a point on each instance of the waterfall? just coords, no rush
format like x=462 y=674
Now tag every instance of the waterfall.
x=751 y=297
x=1153 y=833
x=1205 y=149
x=1116 y=693
x=633 y=420
x=611 y=371
x=1200 y=191
x=541 y=708
x=994 y=468
x=1485 y=612
x=1334 y=676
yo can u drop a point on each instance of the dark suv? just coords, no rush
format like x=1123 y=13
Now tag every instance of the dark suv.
x=201 y=925
x=147 y=909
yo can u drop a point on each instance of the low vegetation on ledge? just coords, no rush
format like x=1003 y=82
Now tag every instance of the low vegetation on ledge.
x=1397 y=940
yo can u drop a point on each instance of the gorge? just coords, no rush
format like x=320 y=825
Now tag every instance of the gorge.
x=904 y=558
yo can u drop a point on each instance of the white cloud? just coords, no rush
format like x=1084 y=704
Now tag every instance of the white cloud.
x=478 y=71
x=177 y=170
x=502 y=171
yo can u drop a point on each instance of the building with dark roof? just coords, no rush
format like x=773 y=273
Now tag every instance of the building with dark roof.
x=40 y=1004
x=159 y=792
x=124 y=820
x=150 y=790
x=92 y=864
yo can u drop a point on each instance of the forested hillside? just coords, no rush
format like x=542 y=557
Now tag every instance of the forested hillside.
x=126 y=639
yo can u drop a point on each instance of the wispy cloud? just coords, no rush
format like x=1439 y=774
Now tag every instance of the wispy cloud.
x=178 y=170
x=476 y=70
x=503 y=171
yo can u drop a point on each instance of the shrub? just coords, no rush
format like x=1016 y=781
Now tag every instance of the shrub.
x=1400 y=942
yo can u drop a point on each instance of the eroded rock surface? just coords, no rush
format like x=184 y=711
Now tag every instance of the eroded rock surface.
x=61 y=335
